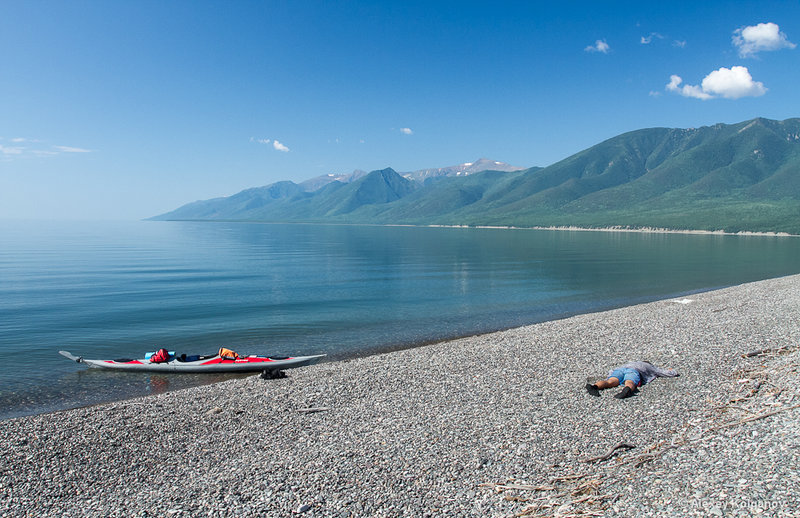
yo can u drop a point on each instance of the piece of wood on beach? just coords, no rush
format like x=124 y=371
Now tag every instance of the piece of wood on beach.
x=313 y=410
x=519 y=487
x=621 y=444
x=565 y=478
x=765 y=351
x=752 y=418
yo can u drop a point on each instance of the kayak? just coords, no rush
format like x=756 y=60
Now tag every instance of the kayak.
x=208 y=363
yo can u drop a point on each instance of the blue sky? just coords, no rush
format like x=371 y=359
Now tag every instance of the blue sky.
x=127 y=109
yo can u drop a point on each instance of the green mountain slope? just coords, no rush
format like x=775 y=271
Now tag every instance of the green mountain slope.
x=679 y=179
x=742 y=176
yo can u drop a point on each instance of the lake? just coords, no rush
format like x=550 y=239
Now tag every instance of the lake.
x=109 y=290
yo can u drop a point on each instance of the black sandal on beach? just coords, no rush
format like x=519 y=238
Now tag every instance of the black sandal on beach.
x=624 y=393
x=592 y=389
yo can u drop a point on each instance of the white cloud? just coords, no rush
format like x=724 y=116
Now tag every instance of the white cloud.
x=70 y=149
x=733 y=83
x=762 y=37
x=277 y=145
x=406 y=131
x=685 y=90
x=679 y=43
x=599 y=46
x=730 y=83
x=647 y=39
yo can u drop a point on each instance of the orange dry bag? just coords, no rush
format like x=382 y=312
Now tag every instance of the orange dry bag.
x=227 y=354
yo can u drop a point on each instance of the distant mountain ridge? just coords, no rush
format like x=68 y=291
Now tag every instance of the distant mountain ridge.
x=324 y=196
x=480 y=165
x=465 y=169
x=743 y=176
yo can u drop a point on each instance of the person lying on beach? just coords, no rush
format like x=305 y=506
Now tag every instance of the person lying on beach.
x=632 y=375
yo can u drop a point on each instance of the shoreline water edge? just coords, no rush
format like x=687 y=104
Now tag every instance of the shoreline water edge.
x=644 y=230
x=489 y=425
x=565 y=228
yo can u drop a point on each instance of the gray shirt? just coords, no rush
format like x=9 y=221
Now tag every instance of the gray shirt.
x=648 y=371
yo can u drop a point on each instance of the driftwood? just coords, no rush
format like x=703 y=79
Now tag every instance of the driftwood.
x=647 y=457
x=765 y=351
x=313 y=409
x=520 y=487
x=584 y=491
x=565 y=478
x=753 y=418
x=621 y=444
x=590 y=499
x=529 y=487
x=587 y=488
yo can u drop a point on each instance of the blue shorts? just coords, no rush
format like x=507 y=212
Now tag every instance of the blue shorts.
x=626 y=374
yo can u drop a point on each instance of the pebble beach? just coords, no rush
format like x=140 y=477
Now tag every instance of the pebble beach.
x=492 y=425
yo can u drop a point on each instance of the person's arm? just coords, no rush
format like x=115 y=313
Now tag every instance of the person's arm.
x=665 y=373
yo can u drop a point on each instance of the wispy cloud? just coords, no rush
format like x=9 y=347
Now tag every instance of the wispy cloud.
x=729 y=83
x=599 y=46
x=280 y=147
x=28 y=147
x=406 y=131
x=70 y=149
x=763 y=37
x=11 y=150
x=679 y=43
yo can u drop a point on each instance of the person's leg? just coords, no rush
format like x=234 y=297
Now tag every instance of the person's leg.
x=595 y=388
x=630 y=386
x=609 y=383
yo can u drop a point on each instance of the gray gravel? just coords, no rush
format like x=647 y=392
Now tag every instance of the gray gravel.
x=491 y=425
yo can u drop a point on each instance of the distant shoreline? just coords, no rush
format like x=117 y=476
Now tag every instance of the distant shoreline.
x=642 y=230
x=571 y=228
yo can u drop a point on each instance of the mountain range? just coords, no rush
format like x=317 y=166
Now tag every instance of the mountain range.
x=422 y=176
x=731 y=177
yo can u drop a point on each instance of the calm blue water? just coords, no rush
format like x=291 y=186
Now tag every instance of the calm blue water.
x=109 y=290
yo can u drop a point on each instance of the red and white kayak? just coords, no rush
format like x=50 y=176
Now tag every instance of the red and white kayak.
x=210 y=363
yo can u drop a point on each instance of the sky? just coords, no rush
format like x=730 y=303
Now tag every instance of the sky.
x=121 y=110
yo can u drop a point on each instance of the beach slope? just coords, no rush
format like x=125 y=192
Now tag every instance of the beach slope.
x=491 y=425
